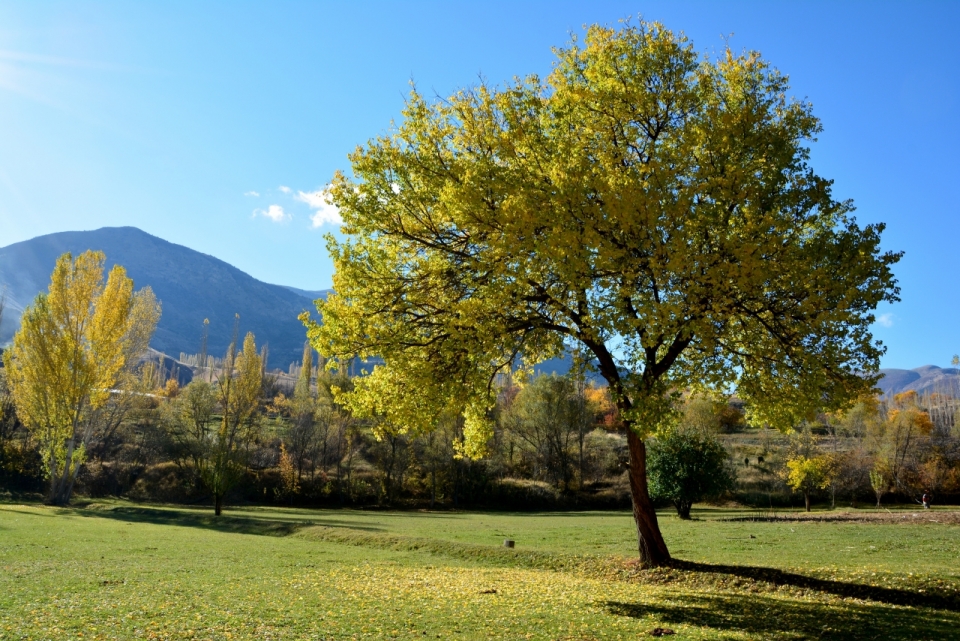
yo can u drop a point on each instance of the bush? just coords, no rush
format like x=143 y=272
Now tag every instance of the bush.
x=166 y=482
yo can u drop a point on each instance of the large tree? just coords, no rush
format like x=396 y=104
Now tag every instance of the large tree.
x=652 y=207
x=73 y=346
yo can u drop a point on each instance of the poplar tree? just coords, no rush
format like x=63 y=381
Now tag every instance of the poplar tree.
x=304 y=408
x=650 y=207
x=239 y=389
x=74 y=343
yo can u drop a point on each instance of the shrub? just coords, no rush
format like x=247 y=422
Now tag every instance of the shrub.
x=687 y=467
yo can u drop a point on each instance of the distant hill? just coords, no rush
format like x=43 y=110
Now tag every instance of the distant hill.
x=928 y=378
x=191 y=286
x=925 y=379
x=310 y=294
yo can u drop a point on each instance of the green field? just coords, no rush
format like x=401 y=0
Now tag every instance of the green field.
x=122 y=571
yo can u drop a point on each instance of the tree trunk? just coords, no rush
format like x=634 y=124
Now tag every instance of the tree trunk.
x=61 y=488
x=340 y=481
x=653 y=550
x=217 y=504
x=61 y=481
x=683 y=509
x=806 y=501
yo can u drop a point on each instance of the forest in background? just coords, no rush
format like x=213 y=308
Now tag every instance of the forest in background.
x=557 y=444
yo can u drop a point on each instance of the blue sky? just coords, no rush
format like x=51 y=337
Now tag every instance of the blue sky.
x=212 y=124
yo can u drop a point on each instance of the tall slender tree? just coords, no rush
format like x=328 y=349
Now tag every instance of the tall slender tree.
x=67 y=358
x=651 y=206
x=238 y=390
x=303 y=434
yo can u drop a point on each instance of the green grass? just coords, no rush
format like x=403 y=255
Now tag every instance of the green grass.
x=121 y=571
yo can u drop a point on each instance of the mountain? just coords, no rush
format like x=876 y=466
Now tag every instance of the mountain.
x=310 y=294
x=929 y=378
x=191 y=286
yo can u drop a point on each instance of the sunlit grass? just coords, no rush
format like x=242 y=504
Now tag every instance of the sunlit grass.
x=122 y=571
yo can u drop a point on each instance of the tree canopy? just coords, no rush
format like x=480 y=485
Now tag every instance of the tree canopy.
x=655 y=208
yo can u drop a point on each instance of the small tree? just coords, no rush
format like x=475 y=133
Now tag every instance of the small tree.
x=809 y=474
x=74 y=343
x=190 y=421
x=546 y=419
x=900 y=439
x=289 y=481
x=879 y=484
x=305 y=410
x=686 y=467
x=238 y=392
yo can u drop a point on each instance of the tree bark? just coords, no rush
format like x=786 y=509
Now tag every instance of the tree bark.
x=217 y=504
x=653 y=549
x=61 y=483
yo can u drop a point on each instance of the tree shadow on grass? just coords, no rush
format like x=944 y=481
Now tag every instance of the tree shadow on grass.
x=8 y=510
x=765 y=617
x=939 y=597
x=234 y=524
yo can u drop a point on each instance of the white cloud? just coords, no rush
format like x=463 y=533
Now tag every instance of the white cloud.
x=395 y=187
x=326 y=212
x=885 y=320
x=313 y=199
x=284 y=189
x=251 y=193
x=274 y=213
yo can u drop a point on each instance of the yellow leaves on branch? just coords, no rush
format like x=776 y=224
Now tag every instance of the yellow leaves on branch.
x=652 y=208
x=806 y=474
x=75 y=340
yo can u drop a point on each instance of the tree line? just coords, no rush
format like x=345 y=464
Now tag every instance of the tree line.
x=237 y=432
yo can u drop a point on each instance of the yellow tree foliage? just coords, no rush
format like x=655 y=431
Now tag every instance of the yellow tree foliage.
x=73 y=344
x=289 y=483
x=899 y=437
x=649 y=207
x=809 y=474
x=172 y=388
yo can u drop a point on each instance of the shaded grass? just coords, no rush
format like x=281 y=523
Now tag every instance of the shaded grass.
x=196 y=519
x=765 y=617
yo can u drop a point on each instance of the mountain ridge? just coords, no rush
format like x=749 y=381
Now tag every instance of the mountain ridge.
x=190 y=285
x=193 y=286
x=923 y=379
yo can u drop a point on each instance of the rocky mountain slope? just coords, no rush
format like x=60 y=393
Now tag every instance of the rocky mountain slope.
x=925 y=379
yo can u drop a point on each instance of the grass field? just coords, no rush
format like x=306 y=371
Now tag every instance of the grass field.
x=122 y=571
